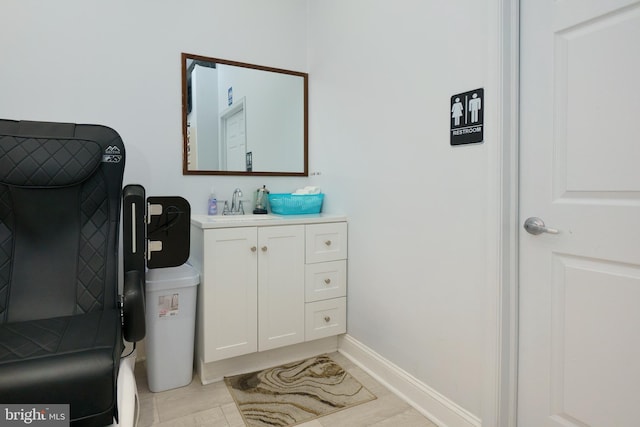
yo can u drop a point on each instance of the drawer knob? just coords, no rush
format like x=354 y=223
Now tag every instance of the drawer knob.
x=264 y=249
x=327 y=242
x=327 y=281
x=253 y=248
x=327 y=319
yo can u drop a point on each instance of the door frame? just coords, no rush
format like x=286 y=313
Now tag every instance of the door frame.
x=499 y=405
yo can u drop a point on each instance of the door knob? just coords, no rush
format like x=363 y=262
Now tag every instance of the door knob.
x=536 y=226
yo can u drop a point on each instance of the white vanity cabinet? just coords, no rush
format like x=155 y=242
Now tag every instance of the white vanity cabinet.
x=251 y=297
x=266 y=285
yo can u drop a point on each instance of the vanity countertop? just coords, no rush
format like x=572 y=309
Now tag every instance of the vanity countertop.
x=226 y=221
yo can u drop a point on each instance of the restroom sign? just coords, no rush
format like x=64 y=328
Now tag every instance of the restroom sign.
x=467 y=117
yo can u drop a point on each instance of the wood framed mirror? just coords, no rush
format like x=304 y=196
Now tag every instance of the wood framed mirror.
x=243 y=119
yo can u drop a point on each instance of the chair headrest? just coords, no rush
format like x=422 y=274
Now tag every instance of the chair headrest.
x=47 y=162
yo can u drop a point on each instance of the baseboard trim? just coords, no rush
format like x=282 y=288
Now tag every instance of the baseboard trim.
x=423 y=398
x=216 y=371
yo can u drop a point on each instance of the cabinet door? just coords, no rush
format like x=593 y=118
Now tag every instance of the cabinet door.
x=280 y=286
x=230 y=293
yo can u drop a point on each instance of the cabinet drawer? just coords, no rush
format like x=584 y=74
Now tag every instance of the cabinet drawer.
x=325 y=318
x=325 y=280
x=326 y=242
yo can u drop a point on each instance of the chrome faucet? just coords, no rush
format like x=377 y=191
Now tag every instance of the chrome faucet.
x=236 y=203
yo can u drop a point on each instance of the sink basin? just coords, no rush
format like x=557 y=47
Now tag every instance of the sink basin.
x=240 y=218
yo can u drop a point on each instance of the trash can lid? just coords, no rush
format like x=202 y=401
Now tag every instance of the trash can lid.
x=172 y=277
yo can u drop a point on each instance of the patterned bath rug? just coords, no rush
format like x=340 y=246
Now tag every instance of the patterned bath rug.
x=296 y=392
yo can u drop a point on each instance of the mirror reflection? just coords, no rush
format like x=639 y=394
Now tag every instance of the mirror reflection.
x=243 y=119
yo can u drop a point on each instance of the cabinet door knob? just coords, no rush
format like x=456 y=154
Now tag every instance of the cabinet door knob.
x=327 y=319
x=327 y=242
x=327 y=281
x=264 y=249
x=253 y=248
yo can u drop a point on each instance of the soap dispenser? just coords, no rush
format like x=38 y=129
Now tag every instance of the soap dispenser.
x=213 y=203
x=261 y=200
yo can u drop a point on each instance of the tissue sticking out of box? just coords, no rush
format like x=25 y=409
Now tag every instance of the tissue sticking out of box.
x=310 y=189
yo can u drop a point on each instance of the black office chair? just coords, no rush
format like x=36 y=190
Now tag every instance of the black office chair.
x=61 y=320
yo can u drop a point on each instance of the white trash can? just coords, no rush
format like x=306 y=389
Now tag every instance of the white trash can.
x=171 y=319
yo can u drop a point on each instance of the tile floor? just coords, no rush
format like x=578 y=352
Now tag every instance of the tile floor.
x=212 y=406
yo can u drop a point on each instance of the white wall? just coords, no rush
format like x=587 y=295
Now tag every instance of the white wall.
x=381 y=77
x=117 y=63
x=204 y=114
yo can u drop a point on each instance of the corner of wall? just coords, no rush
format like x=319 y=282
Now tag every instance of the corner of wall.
x=436 y=407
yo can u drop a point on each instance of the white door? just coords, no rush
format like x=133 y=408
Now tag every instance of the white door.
x=230 y=295
x=280 y=286
x=579 y=337
x=235 y=139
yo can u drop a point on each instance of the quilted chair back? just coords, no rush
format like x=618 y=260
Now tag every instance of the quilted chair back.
x=59 y=216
